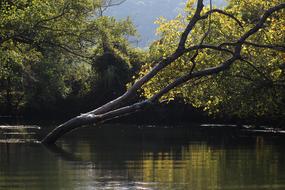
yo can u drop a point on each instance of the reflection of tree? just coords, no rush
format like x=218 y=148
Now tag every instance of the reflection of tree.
x=62 y=154
x=186 y=166
x=196 y=168
x=139 y=163
x=165 y=159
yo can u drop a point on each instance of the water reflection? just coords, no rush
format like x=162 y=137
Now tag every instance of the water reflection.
x=145 y=160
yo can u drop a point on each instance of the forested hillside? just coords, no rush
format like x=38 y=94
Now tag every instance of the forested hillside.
x=145 y=12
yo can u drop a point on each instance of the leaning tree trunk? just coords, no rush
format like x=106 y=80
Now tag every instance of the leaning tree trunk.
x=118 y=108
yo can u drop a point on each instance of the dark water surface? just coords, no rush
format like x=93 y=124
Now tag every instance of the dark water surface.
x=126 y=157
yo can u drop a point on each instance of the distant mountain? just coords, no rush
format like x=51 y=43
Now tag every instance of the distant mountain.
x=145 y=12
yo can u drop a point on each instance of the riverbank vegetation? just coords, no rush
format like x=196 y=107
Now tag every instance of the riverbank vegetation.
x=65 y=57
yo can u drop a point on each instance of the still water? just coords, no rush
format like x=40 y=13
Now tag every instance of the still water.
x=132 y=157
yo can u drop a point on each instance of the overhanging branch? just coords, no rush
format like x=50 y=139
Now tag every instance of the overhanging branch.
x=117 y=108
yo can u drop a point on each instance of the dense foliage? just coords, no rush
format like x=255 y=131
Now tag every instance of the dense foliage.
x=66 y=54
x=250 y=88
x=47 y=48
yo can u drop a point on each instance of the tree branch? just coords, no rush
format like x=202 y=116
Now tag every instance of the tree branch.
x=111 y=110
x=162 y=64
x=223 y=13
x=54 y=17
x=277 y=47
x=190 y=26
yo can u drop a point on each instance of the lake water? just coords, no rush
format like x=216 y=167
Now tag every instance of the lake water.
x=132 y=157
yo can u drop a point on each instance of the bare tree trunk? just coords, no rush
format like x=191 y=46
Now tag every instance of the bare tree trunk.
x=118 y=108
x=9 y=96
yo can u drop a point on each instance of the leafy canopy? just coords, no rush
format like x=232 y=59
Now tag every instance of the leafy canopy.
x=250 y=88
